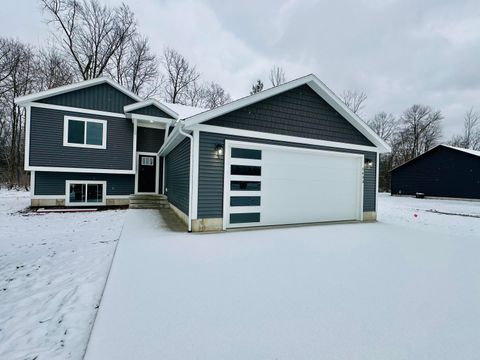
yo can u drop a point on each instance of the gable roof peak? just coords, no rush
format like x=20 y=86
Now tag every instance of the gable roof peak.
x=23 y=100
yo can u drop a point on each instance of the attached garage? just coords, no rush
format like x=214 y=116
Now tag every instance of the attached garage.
x=292 y=154
x=273 y=185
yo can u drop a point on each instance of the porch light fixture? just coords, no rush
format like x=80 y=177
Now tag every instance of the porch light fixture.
x=368 y=163
x=219 y=150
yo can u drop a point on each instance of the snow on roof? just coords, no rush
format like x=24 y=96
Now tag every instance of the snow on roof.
x=184 y=111
x=468 y=151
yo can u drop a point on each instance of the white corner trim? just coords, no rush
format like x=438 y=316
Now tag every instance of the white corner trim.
x=66 y=120
x=79 y=170
x=148 y=102
x=67 y=192
x=284 y=138
x=134 y=147
x=32 y=184
x=316 y=85
x=26 y=155
x=196 y=160
x=76 y=110
x=22 y=100
x=377 y=180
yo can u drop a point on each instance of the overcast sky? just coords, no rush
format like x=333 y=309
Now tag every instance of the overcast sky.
x=398 y=52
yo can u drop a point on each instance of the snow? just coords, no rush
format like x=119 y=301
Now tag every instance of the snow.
x=406 y=287
x=184 y=111
x=468 y=151
x=53 y=268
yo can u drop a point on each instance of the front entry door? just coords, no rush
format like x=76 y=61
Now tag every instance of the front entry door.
x=147 y=170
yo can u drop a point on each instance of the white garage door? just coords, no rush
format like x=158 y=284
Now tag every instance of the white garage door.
x=273 y=185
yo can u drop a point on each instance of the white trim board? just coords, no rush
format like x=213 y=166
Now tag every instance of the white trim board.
x=76 y=110
x=284 y=138
x=145 y=119
x=196 y=157
x=160 y=126
x=79 y=170
x=22 y=100
x=316 y=85
x=26 y=156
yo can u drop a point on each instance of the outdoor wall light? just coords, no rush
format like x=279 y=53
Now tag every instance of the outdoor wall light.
x=219 y=150
x=368 y=163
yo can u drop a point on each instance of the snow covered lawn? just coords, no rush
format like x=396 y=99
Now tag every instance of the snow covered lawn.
x=53 y=269
x=406 y=287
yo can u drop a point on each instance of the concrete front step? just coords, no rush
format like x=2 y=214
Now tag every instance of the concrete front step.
x=148 y=206
x=148 y=197
x=148 y=201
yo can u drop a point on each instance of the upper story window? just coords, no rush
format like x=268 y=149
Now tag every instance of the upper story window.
x=80 y=132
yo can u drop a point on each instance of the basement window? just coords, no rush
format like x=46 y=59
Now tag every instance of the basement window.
x=81 y=193
x=89 y=133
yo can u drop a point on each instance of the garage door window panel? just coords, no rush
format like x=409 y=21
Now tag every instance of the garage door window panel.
x=245 y=170
x=237 y=185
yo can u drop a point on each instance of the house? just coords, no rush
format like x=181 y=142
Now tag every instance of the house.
x=443 y=171
x=287 y=155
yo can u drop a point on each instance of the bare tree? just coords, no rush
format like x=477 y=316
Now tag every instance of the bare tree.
x=17 y=66
x=214 y=95
x=470 y=139
x=420 y=130
x=355 y=100
x=90 y=32
x=385 y=125
x=53 y=70
x=257 y=87
x=135 y=67
x=180 y=76
x=195 y=95
x=277 y=76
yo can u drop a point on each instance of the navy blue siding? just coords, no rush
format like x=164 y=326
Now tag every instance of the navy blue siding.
x=53 y=183
x=151 y=110
x=443 y=172
x=177 y=178
x=46 y=142
x=298 y=112
x=210 y=187
x=149 y=139
x=102 y=97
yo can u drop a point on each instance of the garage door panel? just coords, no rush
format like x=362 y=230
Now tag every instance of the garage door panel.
x=301 y=186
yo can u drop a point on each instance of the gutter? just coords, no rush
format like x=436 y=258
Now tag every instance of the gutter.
x=190 y=191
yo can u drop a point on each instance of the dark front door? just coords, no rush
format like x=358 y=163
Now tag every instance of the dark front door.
x=147 y=170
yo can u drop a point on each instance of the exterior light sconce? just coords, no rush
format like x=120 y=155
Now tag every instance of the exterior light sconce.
x=219 y=150
x=368 y=164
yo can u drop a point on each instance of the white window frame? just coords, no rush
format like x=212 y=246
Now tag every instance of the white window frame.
x=86 y=121
x=145 y=157
x=86 y=182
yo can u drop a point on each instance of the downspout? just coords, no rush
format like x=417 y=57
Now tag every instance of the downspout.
x=190 y=192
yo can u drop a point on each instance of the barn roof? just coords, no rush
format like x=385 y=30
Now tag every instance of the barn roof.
x=467 y=151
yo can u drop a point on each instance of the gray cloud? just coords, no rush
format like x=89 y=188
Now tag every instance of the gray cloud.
x=399 y=52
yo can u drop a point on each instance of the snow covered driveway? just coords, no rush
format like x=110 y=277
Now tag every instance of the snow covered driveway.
x=407 y=287
x=53 y=269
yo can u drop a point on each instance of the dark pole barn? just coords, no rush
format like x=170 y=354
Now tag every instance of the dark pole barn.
x=444 y=171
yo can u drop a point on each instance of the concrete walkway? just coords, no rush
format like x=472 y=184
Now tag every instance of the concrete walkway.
x=353 y=291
